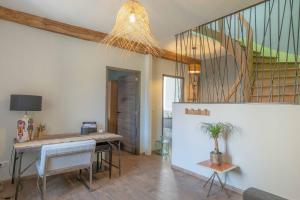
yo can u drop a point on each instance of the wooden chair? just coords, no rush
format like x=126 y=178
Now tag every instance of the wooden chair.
x=65 y=157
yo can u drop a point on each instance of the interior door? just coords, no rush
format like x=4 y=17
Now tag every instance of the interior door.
x=112 y=100
x=128 y=116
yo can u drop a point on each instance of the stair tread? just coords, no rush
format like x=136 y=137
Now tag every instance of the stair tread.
x=263 y=62
x=281 y=77
x=275 y=86
x=288 y=62
x=274 y=102
x=267 y=57
x=277 y=69
x=262 y=95
x=275 y=65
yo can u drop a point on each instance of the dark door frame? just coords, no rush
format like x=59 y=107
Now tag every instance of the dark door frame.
x=138 y=128
x=162 y=97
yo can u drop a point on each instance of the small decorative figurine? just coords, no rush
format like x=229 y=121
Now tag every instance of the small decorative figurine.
x=30 y=129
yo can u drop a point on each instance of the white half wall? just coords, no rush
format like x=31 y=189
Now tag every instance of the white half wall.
x=69 y=73
x=265 y=144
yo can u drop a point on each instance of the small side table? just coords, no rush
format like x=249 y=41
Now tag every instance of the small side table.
x=217 y=169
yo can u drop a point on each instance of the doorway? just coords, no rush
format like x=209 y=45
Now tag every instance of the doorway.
x=172 y=92
x=123 y=106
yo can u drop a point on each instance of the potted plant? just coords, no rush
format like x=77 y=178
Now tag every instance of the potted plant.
x=215 y=131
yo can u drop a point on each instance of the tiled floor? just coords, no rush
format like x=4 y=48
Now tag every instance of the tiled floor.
x=143 y=178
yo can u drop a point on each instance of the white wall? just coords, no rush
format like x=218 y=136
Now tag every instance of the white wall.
x=160 y=68
x=265 y=144
x=69 y=73
x=148 y=101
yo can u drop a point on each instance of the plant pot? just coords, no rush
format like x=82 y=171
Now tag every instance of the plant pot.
x=216 y=158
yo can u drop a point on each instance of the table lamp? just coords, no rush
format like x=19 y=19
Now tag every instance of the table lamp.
x=25 y=103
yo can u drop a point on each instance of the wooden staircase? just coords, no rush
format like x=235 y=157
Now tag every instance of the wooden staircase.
x=261 y=78
x=274 y=81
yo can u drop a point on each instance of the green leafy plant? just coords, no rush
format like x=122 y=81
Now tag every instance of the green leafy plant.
x=216 y=130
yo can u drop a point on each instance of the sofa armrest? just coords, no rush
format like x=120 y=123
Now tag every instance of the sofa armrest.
x=256 y=194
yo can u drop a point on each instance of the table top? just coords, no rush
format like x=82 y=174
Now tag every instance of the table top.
x=222 y=168
x=61 y=138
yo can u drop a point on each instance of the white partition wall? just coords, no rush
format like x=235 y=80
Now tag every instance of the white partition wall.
x=265 y=144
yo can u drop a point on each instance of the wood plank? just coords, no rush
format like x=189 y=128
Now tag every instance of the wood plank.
x=144 y=177
x=222 y=168
x=73 y=31
x=61 y=138
x=112 y=102
x=50 y=25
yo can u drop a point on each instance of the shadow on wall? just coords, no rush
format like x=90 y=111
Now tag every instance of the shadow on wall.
x=236 y=130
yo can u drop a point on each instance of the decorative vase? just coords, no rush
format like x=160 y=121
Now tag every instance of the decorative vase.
x=24 y=129
x=39 y=134
x=216 y=158
x=40 y=131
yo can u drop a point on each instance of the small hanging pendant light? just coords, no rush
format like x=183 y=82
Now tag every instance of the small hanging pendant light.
x=132 y=30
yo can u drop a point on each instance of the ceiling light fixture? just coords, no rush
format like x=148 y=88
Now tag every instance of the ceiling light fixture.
x=132 y=30
x=194 y=69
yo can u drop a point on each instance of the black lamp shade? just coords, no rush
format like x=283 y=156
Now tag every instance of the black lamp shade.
x=25 y=103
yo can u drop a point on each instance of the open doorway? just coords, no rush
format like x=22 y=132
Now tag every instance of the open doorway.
x=123 y=106
x=173 y=90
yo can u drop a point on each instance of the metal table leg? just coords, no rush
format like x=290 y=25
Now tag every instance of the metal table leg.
x=208 y=180
x=110 y=161
x=211 y=184
x=19 y=175
x=222 y=185
x=97 y=164
x=212 y=179
x=117 y=144
x=14 y=169
x=101 y=159
x=119 y=152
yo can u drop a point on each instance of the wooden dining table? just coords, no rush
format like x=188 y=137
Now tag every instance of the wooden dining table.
x=35 y=145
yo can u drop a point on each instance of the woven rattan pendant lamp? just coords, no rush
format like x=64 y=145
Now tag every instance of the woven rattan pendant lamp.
x=132 y=30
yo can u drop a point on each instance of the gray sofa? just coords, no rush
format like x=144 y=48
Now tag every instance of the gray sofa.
x=256 y=194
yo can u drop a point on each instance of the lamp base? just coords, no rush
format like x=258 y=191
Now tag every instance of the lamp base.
x=24 y=129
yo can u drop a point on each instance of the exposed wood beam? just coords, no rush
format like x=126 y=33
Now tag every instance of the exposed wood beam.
x=70 y=30
x=50 y=25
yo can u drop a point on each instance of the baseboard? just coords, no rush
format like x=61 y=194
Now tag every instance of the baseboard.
x=204 y=178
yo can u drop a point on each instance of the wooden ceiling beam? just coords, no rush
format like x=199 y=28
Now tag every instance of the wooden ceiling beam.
x=70 y=30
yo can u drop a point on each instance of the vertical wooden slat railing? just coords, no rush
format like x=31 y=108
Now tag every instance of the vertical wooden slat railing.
x=251 y=55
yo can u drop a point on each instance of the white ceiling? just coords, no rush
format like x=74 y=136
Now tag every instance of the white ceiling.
x=167 y=17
